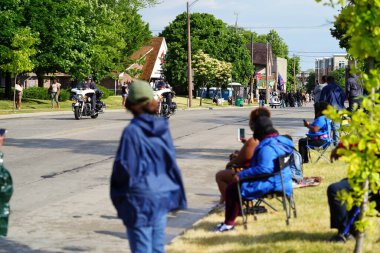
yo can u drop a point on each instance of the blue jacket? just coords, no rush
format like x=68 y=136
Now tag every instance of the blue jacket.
x=264 y=160
x=146 y=182
x=334 y=95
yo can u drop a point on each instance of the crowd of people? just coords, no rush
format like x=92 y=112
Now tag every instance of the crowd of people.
x=146 y=182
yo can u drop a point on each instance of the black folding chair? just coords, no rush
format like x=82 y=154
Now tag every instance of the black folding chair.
x=248 y=206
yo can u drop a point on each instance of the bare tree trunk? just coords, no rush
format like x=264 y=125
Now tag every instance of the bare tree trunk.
x=8 y=85
x=363 y=207
x=40 y=78
x=201 y=98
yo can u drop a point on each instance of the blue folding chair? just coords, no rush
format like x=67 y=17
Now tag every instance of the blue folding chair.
x=320 y=150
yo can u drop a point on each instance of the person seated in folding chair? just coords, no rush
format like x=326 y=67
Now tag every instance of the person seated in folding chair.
x=341 y=218
x=264 y=161
x=318 y=133
x=241 y=158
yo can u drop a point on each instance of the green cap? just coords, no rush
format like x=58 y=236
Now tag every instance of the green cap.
x=140 y=92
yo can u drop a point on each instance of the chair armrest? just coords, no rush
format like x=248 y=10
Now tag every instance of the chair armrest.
x=313 y=135
x=257 y=177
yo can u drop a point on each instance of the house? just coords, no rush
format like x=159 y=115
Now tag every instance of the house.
x=324 y=66
x=263 y=60
x=147 y=64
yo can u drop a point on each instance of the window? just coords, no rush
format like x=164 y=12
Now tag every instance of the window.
x=342 y=64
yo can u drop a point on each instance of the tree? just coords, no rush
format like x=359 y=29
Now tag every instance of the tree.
x=18 y=57
x=290 y=69
x=340 y=77
x=10 y=23
x=362 y=146
x=279 y=47
x=310 y=82
x=83 y=37
x=210 y=35
x=209 y=71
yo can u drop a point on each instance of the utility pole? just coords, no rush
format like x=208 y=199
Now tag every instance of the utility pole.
x=189 y=69
x=267 y=77
x=294 y=73
x=236 y=21
x=252 y=76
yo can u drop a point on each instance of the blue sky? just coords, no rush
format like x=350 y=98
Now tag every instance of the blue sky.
x=304 y=24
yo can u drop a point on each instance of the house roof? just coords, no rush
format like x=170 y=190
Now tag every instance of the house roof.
x=150 y=52
x=260 y=53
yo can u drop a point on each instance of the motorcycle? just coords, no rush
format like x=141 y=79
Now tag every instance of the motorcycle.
x=274 y=101
x=166 y=107
x=83 y=103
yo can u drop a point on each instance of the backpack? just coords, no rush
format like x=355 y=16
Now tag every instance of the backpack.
x=296 y=166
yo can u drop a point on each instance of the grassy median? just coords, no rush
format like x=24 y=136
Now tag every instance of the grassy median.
x=112 y=102
x=309 y=232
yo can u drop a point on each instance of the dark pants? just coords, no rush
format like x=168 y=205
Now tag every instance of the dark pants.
x=232 y=204
x=339 y=216
x=352 y=101
x=303 y=150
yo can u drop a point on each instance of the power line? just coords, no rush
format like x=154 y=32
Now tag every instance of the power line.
x=272 y=27
x=311 y=52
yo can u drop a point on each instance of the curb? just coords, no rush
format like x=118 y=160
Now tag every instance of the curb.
x=33 y=114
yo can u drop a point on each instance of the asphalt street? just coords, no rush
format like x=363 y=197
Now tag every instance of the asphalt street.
x=61 y=169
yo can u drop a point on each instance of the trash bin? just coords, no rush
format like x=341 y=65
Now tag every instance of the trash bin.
x=239 y=101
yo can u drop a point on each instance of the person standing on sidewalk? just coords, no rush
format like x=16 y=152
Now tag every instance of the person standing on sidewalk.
x=334 y=96
x=353 y=90
x=146 y=182
x=318 y=89
x=124 y=93
x=55 y=88
x=19 y=90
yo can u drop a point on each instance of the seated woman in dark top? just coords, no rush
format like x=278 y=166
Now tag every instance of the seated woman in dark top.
x=318 y=130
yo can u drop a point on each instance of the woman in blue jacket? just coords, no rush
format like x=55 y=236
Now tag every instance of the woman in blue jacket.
x=146 y=182
x=264 y=160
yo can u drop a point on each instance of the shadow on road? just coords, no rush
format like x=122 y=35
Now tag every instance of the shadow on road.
x=7 y=246
x=199 y=153
x=97 y=147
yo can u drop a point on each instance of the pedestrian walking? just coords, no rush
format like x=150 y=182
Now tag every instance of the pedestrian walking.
x=55 y=89
x=19 y=91
x=124 y=93
x=261 y=98
x=146 y=182
x=333 y=95
x=354 y=91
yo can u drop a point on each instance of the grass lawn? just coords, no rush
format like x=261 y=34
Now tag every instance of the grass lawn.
x=307 y=233
x=36 y=105
x=112 y=102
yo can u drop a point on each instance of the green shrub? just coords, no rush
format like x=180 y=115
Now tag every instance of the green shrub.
x=106 y=92
x=36 y=93
x=43 y=94
x=64 y=95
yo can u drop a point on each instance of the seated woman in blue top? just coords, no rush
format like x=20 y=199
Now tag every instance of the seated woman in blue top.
x=263 y=161
x=318 y=131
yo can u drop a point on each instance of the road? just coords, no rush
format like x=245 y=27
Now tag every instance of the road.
x=61 y=169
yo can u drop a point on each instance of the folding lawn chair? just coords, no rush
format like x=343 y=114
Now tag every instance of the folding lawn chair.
x=320 y=150
x=249 y=206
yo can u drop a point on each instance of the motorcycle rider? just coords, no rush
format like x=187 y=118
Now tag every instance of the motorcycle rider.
x=90 y=84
